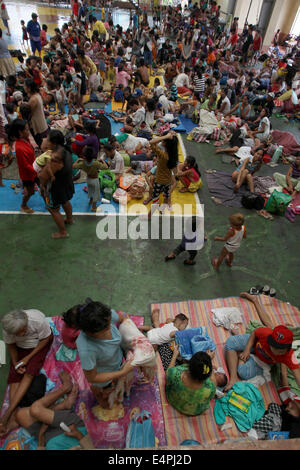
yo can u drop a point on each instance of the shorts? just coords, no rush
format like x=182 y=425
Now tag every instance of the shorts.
x=250 y=368
x=148 y=58
x=30 y=184
x=35 y=46
x=5 y=22
x=160 y=188
x=34 y=365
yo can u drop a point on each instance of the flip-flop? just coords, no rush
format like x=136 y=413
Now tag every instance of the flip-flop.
x=58 y=237
x=214 y=263
x=187 y=263
x=169 y=258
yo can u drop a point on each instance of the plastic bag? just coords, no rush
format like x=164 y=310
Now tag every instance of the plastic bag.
x=278 y=202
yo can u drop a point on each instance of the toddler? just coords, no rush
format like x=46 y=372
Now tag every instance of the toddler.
x=91 y=167
x=47 y=164
x=233 y=239
x=161 y=334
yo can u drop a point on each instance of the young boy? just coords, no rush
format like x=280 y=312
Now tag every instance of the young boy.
x=233 y=239
x=161 y=334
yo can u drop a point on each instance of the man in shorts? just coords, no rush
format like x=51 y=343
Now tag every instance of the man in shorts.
x=34 y=31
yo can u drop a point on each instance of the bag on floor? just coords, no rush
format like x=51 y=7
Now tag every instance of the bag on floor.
x=253 y=201
x=137 y=189
x=278 y=202
x=140 y=433
x=107 y=180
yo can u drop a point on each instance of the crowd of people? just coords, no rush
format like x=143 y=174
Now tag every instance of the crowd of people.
x=200 y=64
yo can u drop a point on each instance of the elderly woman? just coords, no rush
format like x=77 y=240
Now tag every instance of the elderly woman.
x=189 y=387
x=99 y=349
x=28 y=337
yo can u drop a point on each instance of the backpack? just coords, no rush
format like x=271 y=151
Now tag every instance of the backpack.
x=278 y=202
x=253 y=201
x=140 y=432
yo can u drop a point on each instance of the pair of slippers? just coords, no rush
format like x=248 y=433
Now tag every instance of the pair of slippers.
x=265 y=290
x=186 y=261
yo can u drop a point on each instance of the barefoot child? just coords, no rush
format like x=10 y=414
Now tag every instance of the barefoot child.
x=91 y=167
x=189 y=176
x=160 y=334
x=233 y=239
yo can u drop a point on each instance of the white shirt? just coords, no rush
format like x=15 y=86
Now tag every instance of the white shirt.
x=163 y=100
x=227 y=105
x=161 y=335
x=38 y=328
x=182 y=80
x=117 y=163
x=132 y=142
x=139 y=116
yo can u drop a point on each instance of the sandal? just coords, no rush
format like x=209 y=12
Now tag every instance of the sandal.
x=189 y=262
x=169 y=258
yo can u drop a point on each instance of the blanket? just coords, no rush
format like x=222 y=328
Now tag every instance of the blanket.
x=221 y=186
x=287 y=140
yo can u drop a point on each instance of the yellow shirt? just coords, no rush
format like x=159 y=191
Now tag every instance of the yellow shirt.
x=99 y=26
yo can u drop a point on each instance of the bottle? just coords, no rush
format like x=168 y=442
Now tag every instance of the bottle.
x=277 y=154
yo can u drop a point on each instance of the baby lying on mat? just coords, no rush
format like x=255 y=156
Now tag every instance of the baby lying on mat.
x=161 y=334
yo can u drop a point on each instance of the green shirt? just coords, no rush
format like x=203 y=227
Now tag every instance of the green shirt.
x=186 y=400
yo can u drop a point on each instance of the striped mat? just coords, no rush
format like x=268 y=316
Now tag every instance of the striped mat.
x=203 y=428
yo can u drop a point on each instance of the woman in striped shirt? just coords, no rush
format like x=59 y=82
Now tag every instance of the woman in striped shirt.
x=199 y=82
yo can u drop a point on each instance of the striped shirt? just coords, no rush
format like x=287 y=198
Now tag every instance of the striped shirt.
x=199 y=84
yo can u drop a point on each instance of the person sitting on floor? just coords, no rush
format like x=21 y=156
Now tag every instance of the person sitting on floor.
x=290 y=181
x=189 y=387
x=28 y=337
x=44 y=417
x=268 y=344
x=189 y=175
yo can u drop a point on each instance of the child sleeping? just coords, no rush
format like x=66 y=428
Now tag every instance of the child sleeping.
x=161 y=334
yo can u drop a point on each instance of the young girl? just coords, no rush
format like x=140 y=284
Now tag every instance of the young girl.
x=192 y=238
x=91 y=167
x=167 y=154
x=189 y=176
x=233 y=239
x=24 y=33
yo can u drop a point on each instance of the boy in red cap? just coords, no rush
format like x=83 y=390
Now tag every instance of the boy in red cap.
x=251 y=355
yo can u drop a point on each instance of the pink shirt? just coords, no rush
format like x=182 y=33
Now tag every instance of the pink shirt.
x=122 y=78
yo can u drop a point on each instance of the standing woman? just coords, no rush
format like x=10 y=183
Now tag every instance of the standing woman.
x=38 y=121
x=187 y=46
x=88 y=66
x=167 y=154
x=7 y=66
x=5 y=17
x=19 y=132
x=62 y=189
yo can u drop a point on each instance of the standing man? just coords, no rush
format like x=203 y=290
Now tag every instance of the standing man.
x=34 y=30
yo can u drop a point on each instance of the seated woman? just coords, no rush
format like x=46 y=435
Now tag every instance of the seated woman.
x=28 y=337
x=189 y=175
x=99 y=349
x=241 y=109
x=263 y=132
x=290 y=181
x=246 y=169
x=189 y=387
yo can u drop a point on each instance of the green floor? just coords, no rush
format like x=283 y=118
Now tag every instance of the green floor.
x=52 y=275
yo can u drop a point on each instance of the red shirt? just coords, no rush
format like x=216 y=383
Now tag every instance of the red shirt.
x=69 y=336
x=25 y=158
x=264 y=353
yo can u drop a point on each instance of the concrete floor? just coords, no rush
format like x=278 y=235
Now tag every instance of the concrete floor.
x=52 y=275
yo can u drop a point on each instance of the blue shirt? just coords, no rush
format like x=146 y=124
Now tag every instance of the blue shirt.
x=33 y=28
x=104 y=354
